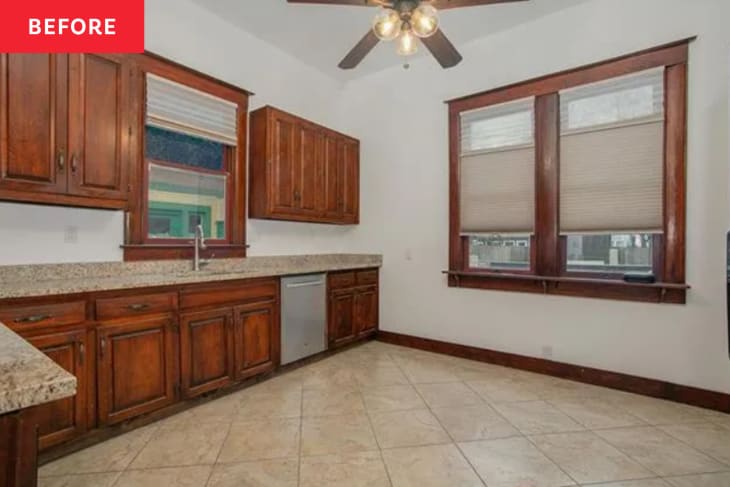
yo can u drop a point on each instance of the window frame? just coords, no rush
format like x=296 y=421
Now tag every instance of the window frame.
x=548 y=272
x=137 y=244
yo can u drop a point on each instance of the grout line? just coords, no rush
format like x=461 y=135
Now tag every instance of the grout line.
x=301 y=435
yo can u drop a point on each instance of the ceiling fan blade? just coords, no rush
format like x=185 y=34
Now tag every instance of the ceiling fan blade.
x=442 y=49
x=444 y=4
x=360 y=50
x=357 y=3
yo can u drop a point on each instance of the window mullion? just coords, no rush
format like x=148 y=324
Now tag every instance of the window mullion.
x=547 y=185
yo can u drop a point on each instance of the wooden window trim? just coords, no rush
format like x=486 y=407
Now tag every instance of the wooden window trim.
x=548 y=274
x=137 y=245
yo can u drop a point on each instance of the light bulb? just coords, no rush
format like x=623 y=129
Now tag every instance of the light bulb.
x=407 y=43
x=425 y=20
x=386 y=24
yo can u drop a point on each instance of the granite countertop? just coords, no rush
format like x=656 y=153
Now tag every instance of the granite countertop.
x=53 y=279
x=27 y=376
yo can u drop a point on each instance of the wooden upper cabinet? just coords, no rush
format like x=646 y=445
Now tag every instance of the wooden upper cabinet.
x=301 y=171
x=64 y=125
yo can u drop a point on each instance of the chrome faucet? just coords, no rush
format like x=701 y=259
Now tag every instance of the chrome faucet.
x=199 y=244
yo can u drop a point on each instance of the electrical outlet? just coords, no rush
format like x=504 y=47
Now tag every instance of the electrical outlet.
x=71 y=234
x=547 y=351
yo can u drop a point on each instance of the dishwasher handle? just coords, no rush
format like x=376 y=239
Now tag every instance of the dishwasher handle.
x=305 y=284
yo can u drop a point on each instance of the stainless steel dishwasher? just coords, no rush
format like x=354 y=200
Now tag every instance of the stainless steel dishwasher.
x=303 y=316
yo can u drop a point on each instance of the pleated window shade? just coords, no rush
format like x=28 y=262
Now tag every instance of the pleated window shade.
x=176 y=107
x=611 y=155
x=497 y=167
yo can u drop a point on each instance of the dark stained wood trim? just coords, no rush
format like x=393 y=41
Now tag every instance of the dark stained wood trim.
x=55 y=199
x=665 y=55
x=547 y=185
x=717 y=401
x=180 y=251
x=458 y=246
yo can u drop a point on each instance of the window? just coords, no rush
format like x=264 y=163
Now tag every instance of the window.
x=192 y=165
x=574 y=183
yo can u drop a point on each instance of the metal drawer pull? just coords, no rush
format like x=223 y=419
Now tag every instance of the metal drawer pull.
x=33 y=319
x=138 y=306
x=304 y=284
x=102 y=347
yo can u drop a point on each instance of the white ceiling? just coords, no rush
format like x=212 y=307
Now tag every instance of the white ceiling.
x=321 y=35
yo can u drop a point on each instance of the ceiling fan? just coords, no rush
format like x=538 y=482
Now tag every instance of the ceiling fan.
x=406 y=21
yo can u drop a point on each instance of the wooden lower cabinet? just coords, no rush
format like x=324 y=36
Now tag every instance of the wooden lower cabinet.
x=136 y=367
x=366 y=310
x=257 y=338
x=62 y=420
x=353 y=306
x=18 y=449
x=341 y=317
x=206 y=351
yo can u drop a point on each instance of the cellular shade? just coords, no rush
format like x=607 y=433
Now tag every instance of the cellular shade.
x=173 y=106
x=497 y=169
x=611 y=155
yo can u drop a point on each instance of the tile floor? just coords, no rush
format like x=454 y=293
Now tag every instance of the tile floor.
x=380 y=415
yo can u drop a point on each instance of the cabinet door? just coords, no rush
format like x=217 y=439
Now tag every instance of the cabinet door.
x=33 y=110
x=332 y=180
x=308 y=170
x=284 y=152
x=64 y=419
x=341 y=317
x=99 y=125
x=257 y=339
x=136 y=367
x=206 y=350
x=366 y=310
x=350 y=186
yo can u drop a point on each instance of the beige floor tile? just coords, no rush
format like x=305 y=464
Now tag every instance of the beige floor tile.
x=271 y=403
x=477 y=372
x=709 y=438
x=659 y=452
x=222 y=410
x=702 y=480
x=265 y=473
x=392 y=398
x=595 y=413
x=189 y=444
x=506 y=389
x=373 y=376
x=658 y=412
x=332 y=402
x=636 y=483
x=196 y=476
x=474 y=423
x=429 y=372
x=261 y=439
x=337 y=434
x=448 y=394
x=327 y=376
x=83 y=480
x=408 y=428
x=537 y=417
x=364 y=469
x=587 y=458
x=110 y=456
x=430 y=466
x=513 y=462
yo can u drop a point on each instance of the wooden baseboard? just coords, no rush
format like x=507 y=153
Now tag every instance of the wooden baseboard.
x=615 y=380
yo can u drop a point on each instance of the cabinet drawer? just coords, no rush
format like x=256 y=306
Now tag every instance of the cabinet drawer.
x=110 y=308
x=37 y=315
x=221 y=294
x=367 y=277
x=338 y=280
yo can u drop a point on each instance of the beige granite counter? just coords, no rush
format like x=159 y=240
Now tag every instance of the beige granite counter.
x=27 y=376
x=44 y=280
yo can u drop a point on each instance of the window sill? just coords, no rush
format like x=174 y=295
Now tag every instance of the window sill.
x=171 y=251
x=658 y=292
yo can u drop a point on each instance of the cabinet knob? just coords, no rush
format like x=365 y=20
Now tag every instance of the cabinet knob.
x=74 y=163
x=61 y=160
x=82 y=353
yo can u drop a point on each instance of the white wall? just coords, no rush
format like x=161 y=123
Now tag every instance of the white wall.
x=400 y=117
x=188 y=34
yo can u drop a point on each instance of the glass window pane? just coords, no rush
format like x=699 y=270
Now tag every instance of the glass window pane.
x=181 y=199
x=610 y=252
x=499 y=252
x=168 y=146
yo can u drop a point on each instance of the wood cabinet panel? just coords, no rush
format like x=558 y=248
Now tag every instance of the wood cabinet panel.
x=353 y=305
x=257 y=338
x=366 y=310
x=99 y=109
x=342 y=317
x=219 y=294
x=301 y=171
x=65 y=419
x=26 y=317
x=143 y=304
x=206 y=351
x=18 y=450
x=32 y=128
x=136 y=367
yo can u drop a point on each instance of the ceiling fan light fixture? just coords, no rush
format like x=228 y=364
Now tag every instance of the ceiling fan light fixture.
x=387 y=24
x=407 y=42
x=425 y=20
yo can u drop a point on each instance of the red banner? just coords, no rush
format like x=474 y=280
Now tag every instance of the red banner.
x=72 y=26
